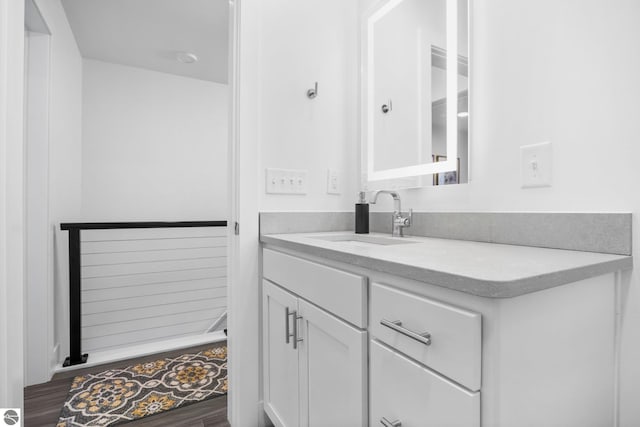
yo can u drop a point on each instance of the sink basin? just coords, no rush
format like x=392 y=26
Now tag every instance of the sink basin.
x=363 y=239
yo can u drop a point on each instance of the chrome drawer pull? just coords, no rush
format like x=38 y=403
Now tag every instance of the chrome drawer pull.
x=386 y=423
x=288 y=313
x=296 y=340
x=396 y=325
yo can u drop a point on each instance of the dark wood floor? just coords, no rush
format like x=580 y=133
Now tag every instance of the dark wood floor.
x=43 y=402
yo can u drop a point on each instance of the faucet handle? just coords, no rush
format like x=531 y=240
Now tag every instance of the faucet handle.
x=403 y=221
x=406 y=220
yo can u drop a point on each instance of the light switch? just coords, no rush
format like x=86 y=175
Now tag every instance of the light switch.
x=286 y=181
x=535 y=161
x=333 y=181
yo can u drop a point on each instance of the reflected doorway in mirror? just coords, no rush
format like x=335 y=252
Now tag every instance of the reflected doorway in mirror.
x=446 y=178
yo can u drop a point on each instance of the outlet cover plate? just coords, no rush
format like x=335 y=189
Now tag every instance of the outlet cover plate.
x=333 y=181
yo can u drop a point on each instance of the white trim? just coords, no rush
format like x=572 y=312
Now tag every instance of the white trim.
x=101 y=357
x=619 y=308
x=470 y=65
x=11 y=203
x=218 y=322
x=452 y=84
x=233 y=75
x=39 y=298
x=33 y=18
x=244 y=408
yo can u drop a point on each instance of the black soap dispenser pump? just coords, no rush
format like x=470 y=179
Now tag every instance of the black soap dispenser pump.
x=362 y=214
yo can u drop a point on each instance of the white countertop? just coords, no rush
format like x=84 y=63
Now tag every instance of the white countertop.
x=483 y=269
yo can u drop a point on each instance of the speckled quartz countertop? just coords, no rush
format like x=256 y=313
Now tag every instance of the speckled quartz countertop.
x=484 y=269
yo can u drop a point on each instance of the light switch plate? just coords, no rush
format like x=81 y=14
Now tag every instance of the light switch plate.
x=535 y=161
x=333 y=181
x=286 y=181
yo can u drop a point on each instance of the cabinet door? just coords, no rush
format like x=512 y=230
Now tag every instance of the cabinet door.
x=280 y=359
x=407 y=394
x=333 y=370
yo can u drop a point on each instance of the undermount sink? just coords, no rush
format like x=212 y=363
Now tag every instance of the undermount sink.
x=363 y=239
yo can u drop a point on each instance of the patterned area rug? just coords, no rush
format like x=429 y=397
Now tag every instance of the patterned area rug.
x=118 y=396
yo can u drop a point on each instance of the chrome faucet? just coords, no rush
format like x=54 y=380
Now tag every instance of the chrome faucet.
x=398 y=221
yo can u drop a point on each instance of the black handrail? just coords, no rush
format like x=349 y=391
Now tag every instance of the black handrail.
x=153 y=224
x=76 y=357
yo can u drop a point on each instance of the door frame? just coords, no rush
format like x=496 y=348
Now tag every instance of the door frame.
x=244 y=371
x=243 y=286
x=40 y=355
x=12 y=229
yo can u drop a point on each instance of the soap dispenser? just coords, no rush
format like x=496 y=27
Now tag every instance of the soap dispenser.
x=362 y=214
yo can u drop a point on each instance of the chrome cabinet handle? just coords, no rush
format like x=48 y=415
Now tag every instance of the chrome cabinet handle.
x=296 y=340
x=288 y=333
x=396 y=325
x=386 y=423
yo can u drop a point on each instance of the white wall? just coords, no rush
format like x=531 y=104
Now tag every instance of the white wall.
x=537 y=75
x=560 y=72
x=154 y=145
x=282 y=49
x=546 y=70
x=48 y=298
x=302 y=42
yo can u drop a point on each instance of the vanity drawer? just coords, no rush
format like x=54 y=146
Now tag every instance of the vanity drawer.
x=341 y=293
x=455 y=348
x=402 y=390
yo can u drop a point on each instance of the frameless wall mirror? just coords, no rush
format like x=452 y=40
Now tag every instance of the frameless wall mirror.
x=415 y=94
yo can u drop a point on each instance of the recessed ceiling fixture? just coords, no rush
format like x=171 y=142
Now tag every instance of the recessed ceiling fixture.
x=187 y=57
x=463 y=114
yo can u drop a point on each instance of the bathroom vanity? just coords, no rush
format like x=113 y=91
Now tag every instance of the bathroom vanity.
x=372 y=330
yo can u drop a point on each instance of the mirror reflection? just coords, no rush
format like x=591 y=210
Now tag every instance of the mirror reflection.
x=406 y=93
x=439 y=116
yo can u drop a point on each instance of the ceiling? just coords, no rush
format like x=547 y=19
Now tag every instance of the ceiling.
x=151 y=33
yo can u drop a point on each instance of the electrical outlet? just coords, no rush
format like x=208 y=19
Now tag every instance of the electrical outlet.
x=286 y=181
x=333 y=181
x=535 y=163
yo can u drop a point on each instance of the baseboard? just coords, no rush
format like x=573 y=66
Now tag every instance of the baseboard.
x=114 y=355
x=54 y=360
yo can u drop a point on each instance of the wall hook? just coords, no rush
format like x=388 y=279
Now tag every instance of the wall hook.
x=312 y=93
x=387 y=107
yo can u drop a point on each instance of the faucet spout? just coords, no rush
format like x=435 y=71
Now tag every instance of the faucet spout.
x=397 y=208
x=398 y=221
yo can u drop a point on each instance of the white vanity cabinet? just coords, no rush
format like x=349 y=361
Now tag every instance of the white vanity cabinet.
x=437 y=357
x=315 y=364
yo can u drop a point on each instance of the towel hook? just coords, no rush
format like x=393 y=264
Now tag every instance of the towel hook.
x=312 y=93
x=387 y=107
